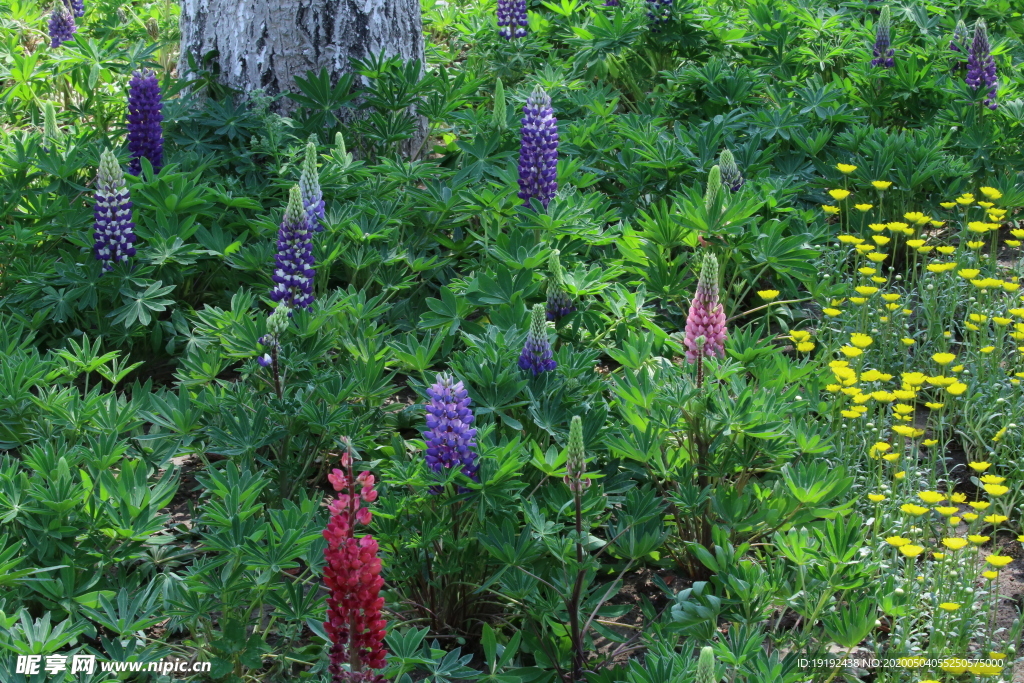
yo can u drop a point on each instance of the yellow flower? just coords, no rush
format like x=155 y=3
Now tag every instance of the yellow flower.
x=805 y=347
x=911 y=550
x=992 y=479
x=851 y=414
x=876 y=497
x=978 y=540
x=949 y=606
x=899 y=475
x=1000 y=434
x=831 y=312
x=912 y=509
x=768 y=294
x=891 y=457
x=958 y=497
x=867 y=271
x=970 y=516
x=881 y=240
x=990 y=192
x=879 y=227
x=851 y=351
x=883 y=396
x=881 y=185
x=1013 y=243
x=956 y=388
x=908 y=341
x=939 y=556
x=914 y=244
x=943 y=358
x=954 y=543
x=1001 y=321
x=976 y=245
x=946 y=510
x=931 y=497
x=990 y=574
x=923 y=250
x=945 y=250
x=965 y=199
x=839 y=194
x=866 y=291
x=979 y=466
x=1011 y=286
x=846 y=169
x=947 y=205
x=968 y=273
x=987 y=205
x=978 y=226
x=863 y=207
x=957 y=368
x=996 y=519
x=995 y=489
x=880 y=447
x=897 y=541
x=830 y=210
x=979 y=504
x=998 y=560
x=849 y=239
x=897 y=226
x=877 y=258
x=987 y=349
x=929 y=442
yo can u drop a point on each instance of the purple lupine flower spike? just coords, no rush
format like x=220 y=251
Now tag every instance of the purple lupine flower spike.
x=145 y=134
x=611 y=3
x=309 y=185
x=512 y=21
x=659 y=12
x=536 y=355
x=559 y=304
x=981 y=65
x=707 y=316
x=77 y=7
x=959 y=41
x=883 y=51
x=731 y=176
x=62 y=24
x=538 y=152
x=113 y=230
x=449 y=436
x=293 y=264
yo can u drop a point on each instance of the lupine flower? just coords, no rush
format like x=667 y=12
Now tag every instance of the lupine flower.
x=576 y=465
x=731 y=176
x=512 y=19
x=51 y=133
x=536 y=355
x=145 y=135
x=882 y=51
x=611 y=3
x=981 y=66
x=450 y=438
x=114 y=230
x=309 y=185
x=659 y=12
x=293 y=265
x=706 y=666
x=707 y=316
x=352 y=577
x=77 y=7
x=538 y=153
x=62 y=24
x=559 y=304
x=714 y=185
x=959 y=41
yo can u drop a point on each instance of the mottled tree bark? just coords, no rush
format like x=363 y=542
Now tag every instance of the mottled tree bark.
x=265 y=44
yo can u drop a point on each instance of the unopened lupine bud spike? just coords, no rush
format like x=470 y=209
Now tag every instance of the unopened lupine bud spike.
x=959 y=42
x=559 y=304
x=706 y=666
x=707 y=316
x=882 y=51
x=51 y=133
x=449 y=437
x=714 y=185
x=277 y=321
x=512 y=19
x=981 y=65
x=145 y=131
x=538 y=151
x=731 y=176
x=62 y=24
x=536 y=355
x=576 y=462
x=114 y=231
x=293 y=264
x=309 y=184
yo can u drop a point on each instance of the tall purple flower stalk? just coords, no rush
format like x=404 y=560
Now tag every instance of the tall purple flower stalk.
x=536 y=356
x=659 y=12
x=559 y=304
x=707 y=316
x=611 y=3
x=113 y=230
x=538 y=152
x=981 y=65
x=145 y=134
x=62 y=24
x=512 y=21
x=309 y=185
x=450 y=438
x=731 y=176
x=883 y=51
x=293 y=265
x=77 y=7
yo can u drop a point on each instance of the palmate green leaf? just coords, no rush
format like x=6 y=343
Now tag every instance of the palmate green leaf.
x=139 y=306
x=449 y=311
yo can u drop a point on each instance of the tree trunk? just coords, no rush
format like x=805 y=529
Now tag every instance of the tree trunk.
x=265 y=44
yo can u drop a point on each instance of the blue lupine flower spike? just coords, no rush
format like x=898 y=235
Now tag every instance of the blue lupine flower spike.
x=536 y=356
x=293 y=265
x=114 y=232
x=450 y=437
x=981 y=65
x=145 y=133
x=559 y=304
x=538 y=152
x=883 y=52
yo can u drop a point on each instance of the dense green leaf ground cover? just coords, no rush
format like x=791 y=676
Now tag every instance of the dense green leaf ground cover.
x=846 y=479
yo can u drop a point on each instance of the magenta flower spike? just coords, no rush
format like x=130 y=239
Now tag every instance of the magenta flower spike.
x=707 y=316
